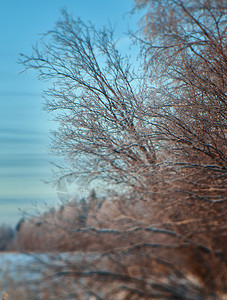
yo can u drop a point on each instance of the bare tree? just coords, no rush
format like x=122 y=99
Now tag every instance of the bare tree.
x=97 y=100
x=160 y=132
x=184 y=47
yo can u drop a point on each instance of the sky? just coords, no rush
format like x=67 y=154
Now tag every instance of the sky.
x=25 y=161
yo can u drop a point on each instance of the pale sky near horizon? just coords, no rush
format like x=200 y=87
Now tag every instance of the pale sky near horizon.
x=24 y=126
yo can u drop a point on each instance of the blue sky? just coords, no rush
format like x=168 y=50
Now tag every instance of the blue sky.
x=24 y=126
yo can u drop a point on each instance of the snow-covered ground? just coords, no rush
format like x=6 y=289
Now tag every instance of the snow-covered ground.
x=21 y=275
x=18 y=268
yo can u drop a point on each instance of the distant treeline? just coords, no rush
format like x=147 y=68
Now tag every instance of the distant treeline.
x=52 y=230
x=6 y=237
